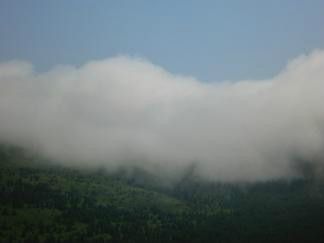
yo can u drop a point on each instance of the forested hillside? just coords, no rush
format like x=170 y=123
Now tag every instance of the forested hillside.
x=44 y=202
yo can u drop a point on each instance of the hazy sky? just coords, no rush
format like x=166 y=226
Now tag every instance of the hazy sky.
x=210 y=40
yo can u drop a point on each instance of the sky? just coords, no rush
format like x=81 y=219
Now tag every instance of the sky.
x=210 y=40
x=233 y=89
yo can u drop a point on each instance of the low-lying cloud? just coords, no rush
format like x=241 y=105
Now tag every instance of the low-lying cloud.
x=126 y=111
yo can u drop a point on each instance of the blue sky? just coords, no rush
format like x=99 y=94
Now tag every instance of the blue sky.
x=211 y=40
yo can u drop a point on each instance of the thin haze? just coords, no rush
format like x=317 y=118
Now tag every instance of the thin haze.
x=127 y=111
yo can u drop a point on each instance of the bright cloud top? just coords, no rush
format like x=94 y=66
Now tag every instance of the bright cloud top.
x=127 y=111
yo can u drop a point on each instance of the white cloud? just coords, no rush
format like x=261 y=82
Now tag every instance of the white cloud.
x=128 y=111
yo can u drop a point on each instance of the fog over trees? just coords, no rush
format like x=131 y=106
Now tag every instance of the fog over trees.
x=127 y=111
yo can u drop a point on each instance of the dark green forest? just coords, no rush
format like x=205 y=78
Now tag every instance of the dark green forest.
x=42 y=201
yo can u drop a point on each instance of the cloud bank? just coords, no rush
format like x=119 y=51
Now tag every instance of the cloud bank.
x=126 y=111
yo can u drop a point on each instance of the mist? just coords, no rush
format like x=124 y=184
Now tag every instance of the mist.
x=126 y=111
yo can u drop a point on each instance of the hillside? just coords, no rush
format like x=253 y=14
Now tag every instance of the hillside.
x=44 y=202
